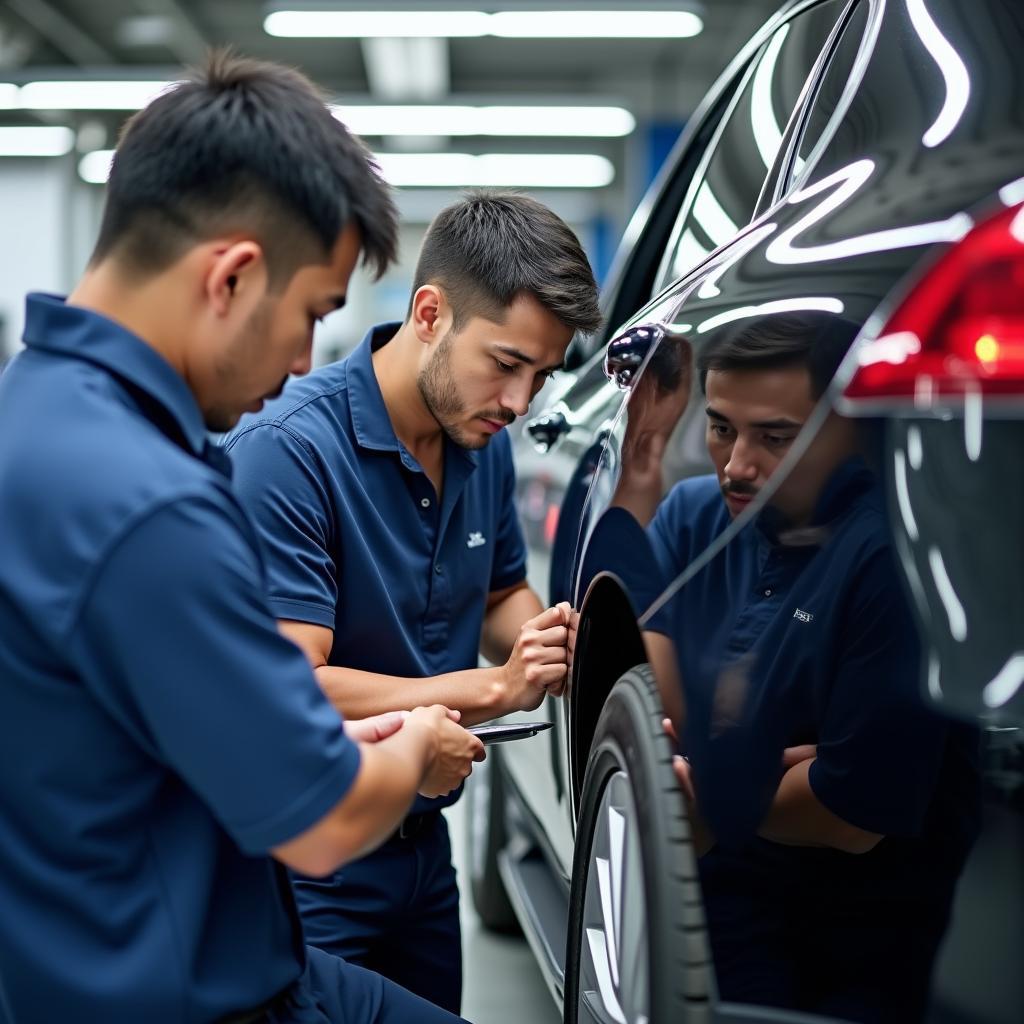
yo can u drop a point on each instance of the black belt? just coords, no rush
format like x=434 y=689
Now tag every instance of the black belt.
x=414 y=825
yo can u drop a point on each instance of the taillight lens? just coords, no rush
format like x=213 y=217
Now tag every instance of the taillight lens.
x=960 y=330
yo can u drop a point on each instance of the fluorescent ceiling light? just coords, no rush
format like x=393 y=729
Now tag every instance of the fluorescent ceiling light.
x=363 y=24
x=363 y=119
x=89 y=95
x=452 y=170
x=534 y=170
x=32 y=141
x=595 y=24
x=94 y=167
x=508 y=24
x=603 y=122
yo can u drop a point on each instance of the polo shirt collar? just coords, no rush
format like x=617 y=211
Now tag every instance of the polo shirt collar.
x=52 y=325
x=371 y=422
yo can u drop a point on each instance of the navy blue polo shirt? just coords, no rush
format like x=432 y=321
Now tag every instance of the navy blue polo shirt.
x=157 y=735
x=807 y=637
x=354 y=536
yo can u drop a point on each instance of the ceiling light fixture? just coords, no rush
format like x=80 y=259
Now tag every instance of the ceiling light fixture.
x=595 y=24
x=363 y=119
x=36 y=141
x=451 y=170
x=602 y=24
x=532 y=170
x=89 y=95
x=593 y=122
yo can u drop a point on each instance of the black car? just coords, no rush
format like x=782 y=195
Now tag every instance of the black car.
x=861 y=160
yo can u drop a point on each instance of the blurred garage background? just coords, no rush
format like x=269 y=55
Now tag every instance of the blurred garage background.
x=577 y=103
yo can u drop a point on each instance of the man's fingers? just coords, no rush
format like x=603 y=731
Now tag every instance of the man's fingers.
x=557 y=689
x=795 y=755
x=555 y=616
x=682 y=769
x=670 y=729
x=555 y=636
x=546 y=676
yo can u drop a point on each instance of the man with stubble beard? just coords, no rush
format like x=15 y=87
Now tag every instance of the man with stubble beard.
x=383 y=489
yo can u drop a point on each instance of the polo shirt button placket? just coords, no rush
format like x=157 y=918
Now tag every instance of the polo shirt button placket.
x=424 y=503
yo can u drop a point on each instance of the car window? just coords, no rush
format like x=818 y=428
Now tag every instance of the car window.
x=723 y=197
x=832 y=85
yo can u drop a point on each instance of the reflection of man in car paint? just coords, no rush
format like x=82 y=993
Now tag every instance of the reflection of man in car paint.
x=840 y=807
x=383 y=488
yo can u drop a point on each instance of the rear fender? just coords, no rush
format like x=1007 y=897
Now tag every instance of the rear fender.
x=608 y=644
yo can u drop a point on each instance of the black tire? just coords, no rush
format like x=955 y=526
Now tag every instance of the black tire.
x=486 y=834
x=652 y=962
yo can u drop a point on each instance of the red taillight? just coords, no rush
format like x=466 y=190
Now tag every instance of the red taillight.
x=960 y=330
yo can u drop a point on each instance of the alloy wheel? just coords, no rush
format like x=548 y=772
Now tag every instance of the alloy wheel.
x=614 y=982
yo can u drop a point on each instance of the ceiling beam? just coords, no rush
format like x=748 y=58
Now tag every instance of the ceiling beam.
x=15 y=46
x=185 y=40
x=57 y=28
x=407 y=70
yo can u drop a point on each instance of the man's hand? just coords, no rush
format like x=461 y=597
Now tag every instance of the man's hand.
x=657 y=402
x=538 y=663
x=380 y=727
x=794 y=755
x=453 y=749
x=375 y=728
x=703 y=840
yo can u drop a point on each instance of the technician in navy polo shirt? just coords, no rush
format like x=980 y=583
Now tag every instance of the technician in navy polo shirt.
x=840 y=807
x=383 y=490
x=164 y=751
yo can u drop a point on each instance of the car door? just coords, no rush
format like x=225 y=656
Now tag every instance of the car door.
x=567 y=447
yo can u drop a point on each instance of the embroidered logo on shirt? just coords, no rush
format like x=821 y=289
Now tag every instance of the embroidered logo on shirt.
x=476 y=540
x=802 y=615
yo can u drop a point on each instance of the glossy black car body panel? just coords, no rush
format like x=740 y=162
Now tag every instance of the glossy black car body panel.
x=880 y=167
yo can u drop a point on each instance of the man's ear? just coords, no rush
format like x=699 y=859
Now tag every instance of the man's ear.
x=430 y=315
x=236 y=272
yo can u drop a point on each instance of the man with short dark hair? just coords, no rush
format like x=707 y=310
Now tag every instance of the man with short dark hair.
x=383 y=488
x=840 y=807
x=164 y=751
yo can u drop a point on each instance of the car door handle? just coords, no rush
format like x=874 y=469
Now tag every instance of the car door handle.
x=627 y=352
x=547 y=428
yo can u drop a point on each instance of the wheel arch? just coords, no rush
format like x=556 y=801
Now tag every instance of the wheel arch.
x=608 y=644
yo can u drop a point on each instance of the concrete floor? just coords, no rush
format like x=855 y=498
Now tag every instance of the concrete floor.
x=502 y=984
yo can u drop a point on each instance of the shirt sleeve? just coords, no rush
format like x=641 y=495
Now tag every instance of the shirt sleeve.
x=509 y=566
x=278 y=481
x=176 y=641
x=880 y=747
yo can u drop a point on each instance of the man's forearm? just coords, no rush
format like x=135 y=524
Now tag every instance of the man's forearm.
x=478 y=693
x=503 y=621
x=798 y=818
x=390 y=772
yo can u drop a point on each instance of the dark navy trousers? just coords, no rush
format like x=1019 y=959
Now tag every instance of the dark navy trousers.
x=395 y=912
x=331 y=991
